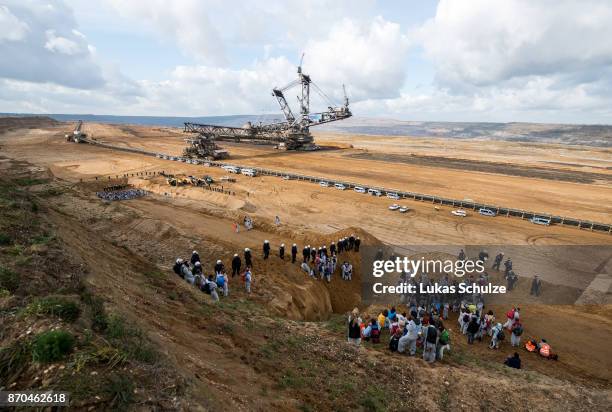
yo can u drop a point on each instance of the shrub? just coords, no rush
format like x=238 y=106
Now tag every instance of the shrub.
x=52 y=346
x=63 y=308
x=121 y=391
x=5 y=239
x=9 y=280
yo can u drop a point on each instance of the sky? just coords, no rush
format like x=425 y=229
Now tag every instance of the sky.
x=544 y=61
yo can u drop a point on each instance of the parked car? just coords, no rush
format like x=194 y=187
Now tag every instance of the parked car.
x=359 y=189
x=394 y=206
x=459 y=212
x=487 y=212
x=393 y=196
x=324 y=184
x=540 y=220
x=403 y=209
x=287 y=177
x=231 y=169
x=340 y=186
x=374 y=192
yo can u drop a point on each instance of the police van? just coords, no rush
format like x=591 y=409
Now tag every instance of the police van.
x=249 y=172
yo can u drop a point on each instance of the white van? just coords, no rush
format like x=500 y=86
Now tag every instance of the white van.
x=374 y=192
x=359 y=189
x=231 y=169
x=324 y=184
x=249 y=172
x=486 y=212
x=340 y=186
x=393 y=196
x=540 y=220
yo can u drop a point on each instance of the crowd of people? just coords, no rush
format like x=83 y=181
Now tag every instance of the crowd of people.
x=422 y=329
x=317 y=262
x=127 y=194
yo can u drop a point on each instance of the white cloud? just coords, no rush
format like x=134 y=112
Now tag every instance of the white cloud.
x=58 y=44
x=484 y=42
x=49 y=50
x=11 y=28
x=370 y=58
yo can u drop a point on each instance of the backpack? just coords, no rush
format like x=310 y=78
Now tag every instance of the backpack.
x=501 y=336
x=206 y=287
x=510 y=314
x=375 y=335
x=432 y=334
x=444 y=337
x=393 y=343
x=466 y=318
x=518 y=331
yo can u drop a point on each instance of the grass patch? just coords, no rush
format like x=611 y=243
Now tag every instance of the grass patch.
x=65 y=309
x=99 y=320
x=120 y=388
x=336 y=324
x=28 y=181
x=13 y=360
x=9 y=279
x=43 y=239
x=291 y=380
x=131 y=340
x=374 y=400
x=105 y=355
x=52 y=346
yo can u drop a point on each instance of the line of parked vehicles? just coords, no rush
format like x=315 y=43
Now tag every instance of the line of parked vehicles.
x=538 y=220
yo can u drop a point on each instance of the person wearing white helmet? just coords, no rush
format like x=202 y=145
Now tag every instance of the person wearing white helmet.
x=294 y=251
x=236 y=264
x=247 y=257
x=197 y=268
x=281 y=251
x=195 y=257
x=177 y=268
x=219 y=267
x=266 y=249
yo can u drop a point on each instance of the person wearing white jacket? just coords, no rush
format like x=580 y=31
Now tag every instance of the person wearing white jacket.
x=408 y=341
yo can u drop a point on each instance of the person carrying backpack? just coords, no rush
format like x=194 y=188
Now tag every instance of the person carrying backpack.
x=431 y=340
x=497 y=336
x=472 y=329
x=443 y=341
x=354 y=331
x=178 y=266
x=515 y=336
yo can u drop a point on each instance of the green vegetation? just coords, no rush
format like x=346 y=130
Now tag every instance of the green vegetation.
x=5 y=239
x=28 y=181
x=14 y=359
x=121 y=391
x=63 y=308
x=9 y=279
x=130 y=340
x=374 y=400
x=52 y=346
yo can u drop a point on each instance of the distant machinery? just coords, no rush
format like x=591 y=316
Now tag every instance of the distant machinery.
x=291 y=134
x=77 y=134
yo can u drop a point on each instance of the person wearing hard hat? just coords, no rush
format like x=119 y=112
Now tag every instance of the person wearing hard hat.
x=281 y=251
x=294 y=251
x=219 y=267
x=247 y=257
x=236 y=264
x=266 y=249
x=194 y=257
